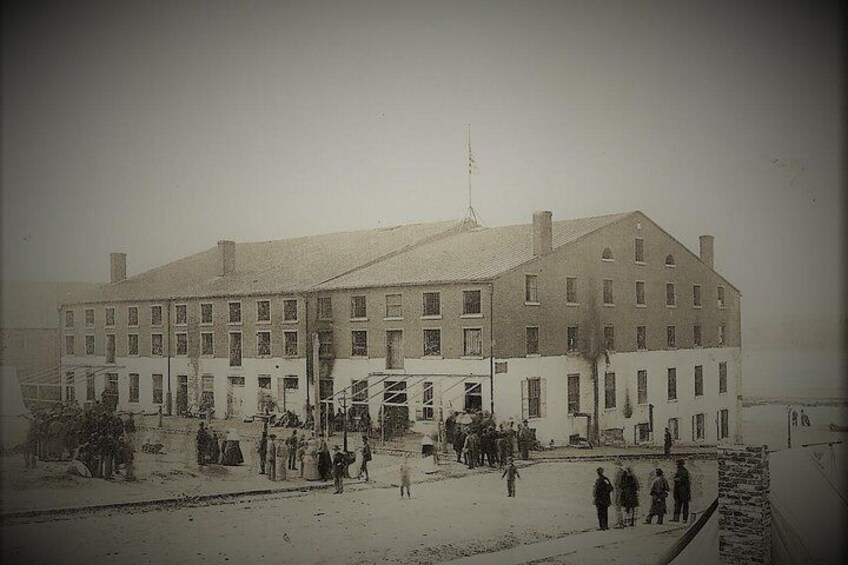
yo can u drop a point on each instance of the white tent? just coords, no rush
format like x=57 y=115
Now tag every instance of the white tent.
x=14 y=416
x=808 y=512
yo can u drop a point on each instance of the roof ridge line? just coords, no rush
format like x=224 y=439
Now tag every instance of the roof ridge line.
x=450 y=231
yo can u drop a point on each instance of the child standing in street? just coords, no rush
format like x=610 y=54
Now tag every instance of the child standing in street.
x=405 y=472
x=511 y=473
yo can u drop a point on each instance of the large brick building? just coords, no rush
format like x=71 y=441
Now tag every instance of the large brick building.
x=603 y=325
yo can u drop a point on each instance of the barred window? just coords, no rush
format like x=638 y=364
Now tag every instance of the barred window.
x=432 y=304
x=263 y=344
x=609 y=390
x=432 y=342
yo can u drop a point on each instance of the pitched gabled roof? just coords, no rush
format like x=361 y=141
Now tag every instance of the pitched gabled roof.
x=34 y=304
x=479 y=254
x=269 y=267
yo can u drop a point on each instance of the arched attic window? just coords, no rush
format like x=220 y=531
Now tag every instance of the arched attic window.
x=606 y=255
x=669 y=260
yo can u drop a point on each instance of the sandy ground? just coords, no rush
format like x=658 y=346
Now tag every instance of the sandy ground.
x=175 y=473
x=444 y=520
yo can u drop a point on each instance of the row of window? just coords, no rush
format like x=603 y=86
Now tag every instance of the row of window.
x=393 y=306
x=471 y=306
x=263 y=314
x=642 y=385
x=432 y=342
x=533 y=391
x=573 y=344
x=531 y=293
x=472 y=345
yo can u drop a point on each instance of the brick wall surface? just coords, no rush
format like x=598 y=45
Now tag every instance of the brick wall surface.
x=744 y=511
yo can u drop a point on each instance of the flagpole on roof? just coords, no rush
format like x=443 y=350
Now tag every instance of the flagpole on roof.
x=471 y=217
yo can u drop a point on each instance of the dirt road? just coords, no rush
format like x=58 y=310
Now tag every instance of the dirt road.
x=444 y=520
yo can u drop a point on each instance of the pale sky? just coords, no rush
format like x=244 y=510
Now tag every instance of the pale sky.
x=158 y=128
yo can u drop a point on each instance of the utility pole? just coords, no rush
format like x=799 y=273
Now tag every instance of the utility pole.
x=789 y=427
x=344 y=419
x=316 y=410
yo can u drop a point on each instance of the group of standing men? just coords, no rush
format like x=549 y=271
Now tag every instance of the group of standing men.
x=623 y=494
x=480 y=443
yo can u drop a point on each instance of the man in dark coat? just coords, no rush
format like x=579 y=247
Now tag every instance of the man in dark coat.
x=511 y=473
x=339 y=467
x=659 y=492
x=682 y=492
x=629 y=495
x=667 y=443
x=263 y=451
x=202 y=441
x=293 y=445
x=601 y=495
x=458 y=443
x=450 y=423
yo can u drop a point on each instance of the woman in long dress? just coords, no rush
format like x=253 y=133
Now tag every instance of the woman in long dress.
x=325 y=462
x=232 y=451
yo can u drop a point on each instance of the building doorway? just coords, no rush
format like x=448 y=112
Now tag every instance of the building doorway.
x=182 y=394
x=395 y=408
x=473 y=397
x=394 y=349
x=235 y=397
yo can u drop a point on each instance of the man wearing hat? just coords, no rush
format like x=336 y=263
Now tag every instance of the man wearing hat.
x=659 y=492
x=601 y=495
x=682 y=492
x=339 y=465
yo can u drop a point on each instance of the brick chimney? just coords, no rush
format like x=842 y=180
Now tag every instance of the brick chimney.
x=542 y=233
x=117 y=267
x=707 y=254
x=226 y=257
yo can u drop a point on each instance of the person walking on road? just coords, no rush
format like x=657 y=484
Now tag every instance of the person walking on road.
x=682 y=492
x=271 y=456
x=366 y=457
x=629 y=495
x=667 y=443
x=616 y=493
x=601 y=494
x=794 y=418
x=511 y=473
x=339 y=466
x=405 y=476
x=659 y=492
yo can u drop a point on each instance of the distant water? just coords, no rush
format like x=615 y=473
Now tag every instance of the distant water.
x=796 y=373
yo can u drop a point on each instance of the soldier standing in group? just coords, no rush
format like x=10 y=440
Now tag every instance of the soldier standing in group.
x=282 y=460
x=271 y=455
x=682 y=492
x=601 y=496
x=616 y=493
x=366 y=457
x=293 y=445
x=202 y=441
x=263 y=451
x=659 y=492
x=339 y=466
x=458 y=443
x=511 y=473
